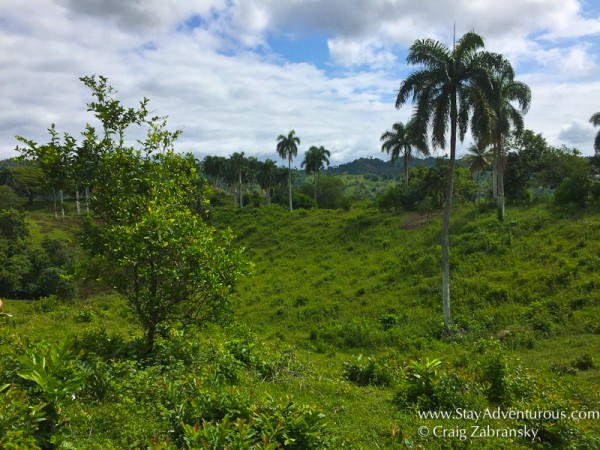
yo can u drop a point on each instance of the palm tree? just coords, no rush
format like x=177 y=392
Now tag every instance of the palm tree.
x=478 y=157
x=441 y=92
x=400 y=141
x=314 y=160
x=595 y=120
x=238 y=164
x=267 y=177
x=287 y=147
x=495 y=116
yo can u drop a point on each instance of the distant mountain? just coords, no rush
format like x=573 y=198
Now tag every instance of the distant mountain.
x=376 y=166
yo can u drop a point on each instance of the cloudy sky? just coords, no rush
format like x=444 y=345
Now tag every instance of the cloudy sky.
x=234 y=74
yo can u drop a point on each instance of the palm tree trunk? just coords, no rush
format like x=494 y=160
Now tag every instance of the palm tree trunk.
x=290 y=178
x=240 y=191
x=495 y=177
x=406 y=171
x=500 y=181
x=316 y=175
x=446 y=222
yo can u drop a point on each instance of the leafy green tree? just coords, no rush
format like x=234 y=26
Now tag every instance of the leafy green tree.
x=496 y=115
x=28 y=181
x=169 y=264
x=287 y=148
x=53 y=158
x=442 y=91
x=400 y=141
x=314 y=160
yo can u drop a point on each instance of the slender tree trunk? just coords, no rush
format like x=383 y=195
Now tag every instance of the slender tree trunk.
x=54 y=199
x=500 y=182
x=446 y=221
x=406 y=155
x=290 y=178
x=240 y=189
x=87 y=200
x=77 y=200
x=150 y=338
x=316 y=175
x=62 y=204
x=495 y=176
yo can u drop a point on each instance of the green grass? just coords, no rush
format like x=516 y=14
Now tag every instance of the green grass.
x=332 y=285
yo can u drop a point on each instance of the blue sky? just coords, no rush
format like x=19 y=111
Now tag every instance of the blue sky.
x=234 y=74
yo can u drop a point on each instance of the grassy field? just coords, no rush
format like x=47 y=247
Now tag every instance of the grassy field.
x=343 y=313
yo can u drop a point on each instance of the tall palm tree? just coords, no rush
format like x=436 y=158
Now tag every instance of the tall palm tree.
x=496 y=115
x=595 y=120
x=287 y=147
x=441 y=92
x=400 y=141
x=314 y=160
x=239 y=163
x=267 y=177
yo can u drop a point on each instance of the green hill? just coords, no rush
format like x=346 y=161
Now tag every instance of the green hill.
x=343 y=312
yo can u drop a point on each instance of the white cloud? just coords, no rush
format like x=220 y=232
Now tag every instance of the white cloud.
x=206 y=64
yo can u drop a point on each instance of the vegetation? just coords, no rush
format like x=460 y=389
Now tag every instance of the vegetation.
x=135 y=326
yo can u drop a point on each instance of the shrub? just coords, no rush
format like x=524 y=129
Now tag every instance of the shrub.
x=365 y=371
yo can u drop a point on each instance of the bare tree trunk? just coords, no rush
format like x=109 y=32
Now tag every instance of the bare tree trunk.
x=87 y=200
x=77 y=201
x=62 y=204
x=54 y=199
x=406 y=155
x=240 y=189
x=446 y=221
x=290 y=178
x=500 y=181
x=495 y=177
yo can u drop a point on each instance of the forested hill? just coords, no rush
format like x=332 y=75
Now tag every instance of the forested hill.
x=376 y=166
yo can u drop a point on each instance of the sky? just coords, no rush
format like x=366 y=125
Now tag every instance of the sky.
x=233 y=75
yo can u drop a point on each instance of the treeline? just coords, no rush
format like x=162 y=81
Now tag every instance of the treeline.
x=535 y=171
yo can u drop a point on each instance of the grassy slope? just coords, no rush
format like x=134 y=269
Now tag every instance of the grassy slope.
x=326 y=282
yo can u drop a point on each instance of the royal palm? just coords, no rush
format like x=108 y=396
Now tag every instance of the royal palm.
x=287 y=148
x=399 y=141
x=495 y=116
x=314 y=160
x=441 y=91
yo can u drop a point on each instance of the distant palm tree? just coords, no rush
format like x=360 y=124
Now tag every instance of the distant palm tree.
x=239 y=163
x=495 y=115
x=314 y=160
x=287 y=147
x=595 y=120
x=267 y=177
x=400 y=141
x=478 y=157
x=441 y=92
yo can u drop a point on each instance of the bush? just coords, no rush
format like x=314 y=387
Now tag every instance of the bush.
x=365 y=371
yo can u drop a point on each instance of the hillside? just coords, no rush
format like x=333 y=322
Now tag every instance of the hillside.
x=343 y=313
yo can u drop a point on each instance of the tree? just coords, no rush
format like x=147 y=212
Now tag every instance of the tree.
x=595 y=120
x=28 y=181
x=478 y=157
x=267 y=177
x=165 y=260
x=400 y=141
x=442 y=92
x=239 y=164
x=287 y=148
x=314 y=160
x=496 y=115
